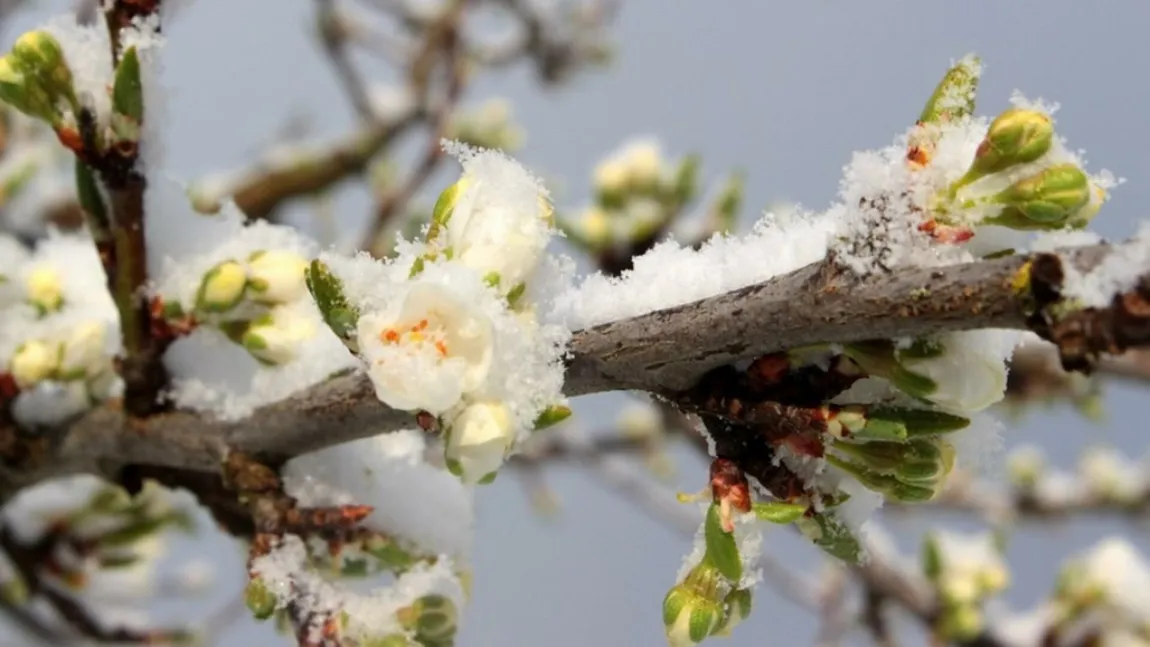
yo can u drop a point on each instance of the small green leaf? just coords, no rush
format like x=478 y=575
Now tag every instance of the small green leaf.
x=919 y=422
x=327 y=291
x=779 y=512
x=127 y=90
x=832 y=536
x=722 y=551
x=931 y=558
x=686 y=185
x=954 y=95
x=88 y=193
x=879 y=359
x=515 y=294
x=552 y=416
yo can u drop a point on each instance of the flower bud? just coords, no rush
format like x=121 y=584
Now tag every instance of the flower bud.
x=610 y=179
x=691 y=611
x=594 y=227
x=1044 y=200
x=259 y=599
x=33 y=362
x=962 y=622
x=28 y=98
x=1081 y=218
x=478 y=440
x=222 y=288
x=39 y=56
x=644 y=165
x=276 y=277
x=1017 y=136
x=85 y=352
x=738 y=608
x=45 y=289
x=992 y=579
x=275 y=340
x=436 y=619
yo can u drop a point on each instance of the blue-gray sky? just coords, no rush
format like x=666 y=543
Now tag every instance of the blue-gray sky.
x=785 y=91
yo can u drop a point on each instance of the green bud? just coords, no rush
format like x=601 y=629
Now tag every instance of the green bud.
x=552 y=416
x=437 y=619
x=222 y=288
x=961 y=622
x=327 y=291
x=830 y=534
x=738 y=608
x=779 y=512
x=917 y=422
x=722 y=551
x=1017 y=136
x=16 y=91
x=954 y=96
x=259 y=600
x=690 y=617
x=445 y=206
x=38 y=55
x=1045 y=200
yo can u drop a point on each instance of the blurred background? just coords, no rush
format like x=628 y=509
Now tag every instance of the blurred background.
x=784 y=92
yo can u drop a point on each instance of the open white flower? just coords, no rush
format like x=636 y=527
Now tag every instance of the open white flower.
x=479 y=439
x=427 y=350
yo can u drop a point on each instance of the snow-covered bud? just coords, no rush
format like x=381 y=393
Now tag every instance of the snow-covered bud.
x=39 y=56
x=85 y=354
x=426 y=352
x=45 y=289
x=276 y=277
x=738 y=609
x=953 y=98
x=1045 y=200
x=222 y=288
x=275 y=339
x=693 y=609
x=478 y=441
x=435 y=620
x=33 y=362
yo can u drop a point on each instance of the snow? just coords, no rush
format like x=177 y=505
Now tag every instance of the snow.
x=1118 y=272
x=412 y=499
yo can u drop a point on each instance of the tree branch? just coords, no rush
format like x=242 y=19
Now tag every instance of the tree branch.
x=659 y=352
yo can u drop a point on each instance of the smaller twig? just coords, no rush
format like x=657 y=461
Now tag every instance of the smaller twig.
x=834 y=618
x=334 y=36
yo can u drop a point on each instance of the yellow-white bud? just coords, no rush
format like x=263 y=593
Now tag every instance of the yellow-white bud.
x=45 y=289
x=479 y=439
x=222 y=288
x=276 y=277
x=84 y=354
x=34 y=362
x=276 y=340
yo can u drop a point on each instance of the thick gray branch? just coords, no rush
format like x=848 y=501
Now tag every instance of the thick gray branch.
x=662 y=351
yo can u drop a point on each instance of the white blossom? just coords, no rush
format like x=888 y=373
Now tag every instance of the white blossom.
x=427 y=350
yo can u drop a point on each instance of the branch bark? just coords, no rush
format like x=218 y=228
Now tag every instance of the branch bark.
x=661 y=352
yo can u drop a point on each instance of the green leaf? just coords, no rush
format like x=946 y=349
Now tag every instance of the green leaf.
x=779 y=512
x=327 y=290
x=931 y=558
x=127 y=90
x=722 y=551
x=686 y=185
x=878 y=358
x=552 y=416
x=88 y=193
x=954 y=95
x=829 y=533
x=919 y=422
x=515 y=294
